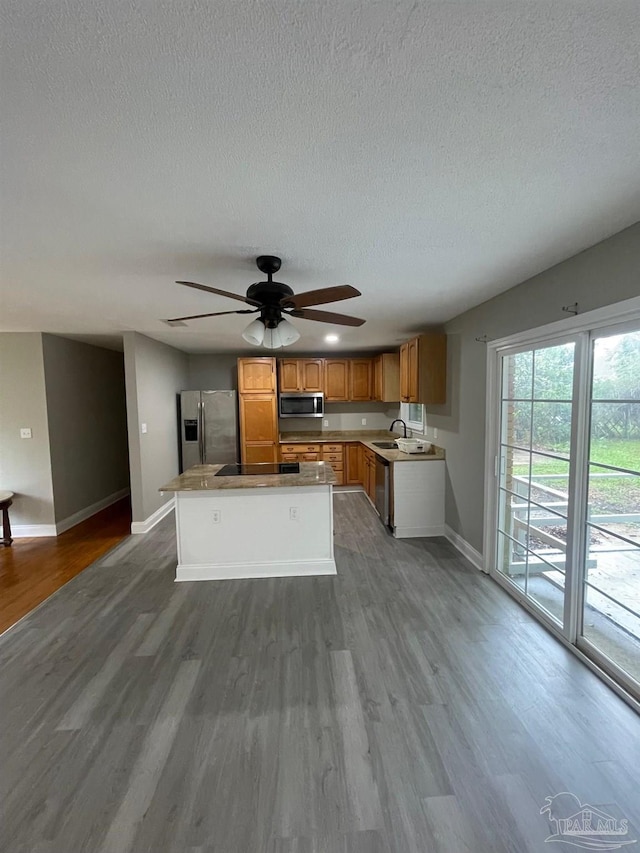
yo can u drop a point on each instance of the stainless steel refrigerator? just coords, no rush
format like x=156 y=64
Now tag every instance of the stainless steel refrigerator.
x=208 y=428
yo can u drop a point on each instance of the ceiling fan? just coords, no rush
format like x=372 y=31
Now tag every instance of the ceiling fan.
x=275 y=301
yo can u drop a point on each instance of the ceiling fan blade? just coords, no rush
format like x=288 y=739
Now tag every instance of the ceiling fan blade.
x=320 y=297
x=208 y=289
x=327 y=317
x=215 y=314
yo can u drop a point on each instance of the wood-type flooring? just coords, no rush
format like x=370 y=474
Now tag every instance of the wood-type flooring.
x=407 y=705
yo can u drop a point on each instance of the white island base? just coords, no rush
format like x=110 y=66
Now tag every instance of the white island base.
x=254 y=533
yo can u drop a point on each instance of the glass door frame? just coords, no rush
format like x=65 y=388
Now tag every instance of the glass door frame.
x=581 y=642
x=581 y=329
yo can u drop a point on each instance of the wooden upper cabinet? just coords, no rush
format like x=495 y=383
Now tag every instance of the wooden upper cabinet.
x=300 y=374
x=361 y=379
x=404 y=373
x=336 y=380
x=312 y=370
x=289 y=379
x=386 y=377
x=414 y=371
x=423 y=369
x=257 y=375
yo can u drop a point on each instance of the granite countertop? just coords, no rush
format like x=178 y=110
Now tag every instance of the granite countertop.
x=366 y=437
x=434 y=454
x=202 y=478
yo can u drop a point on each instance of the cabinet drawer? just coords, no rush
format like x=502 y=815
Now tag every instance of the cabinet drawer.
x=309 y=457
x=332 y=448
x=332 y=457
x=289 y=457
x=289 y=448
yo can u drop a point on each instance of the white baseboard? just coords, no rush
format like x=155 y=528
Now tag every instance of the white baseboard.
x=239 y=571
x=468 y=551
x=417 y=532
x=146 y=525
x=88 y=511
x=27 y=531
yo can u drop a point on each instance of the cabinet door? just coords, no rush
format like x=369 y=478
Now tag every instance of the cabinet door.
x=387 y=377
x=370 y=476
x=360 y=381
x=336 y=380
x=353 y=458
x=432 y=372
x=259 y=428
x=312 y=370
x=414 y=371
x=377 y=378
x=404 y=373
x=255 y=453
x=289 y=379
x=256 y=375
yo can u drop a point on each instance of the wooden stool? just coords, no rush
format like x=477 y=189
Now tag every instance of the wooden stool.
x=5 y=503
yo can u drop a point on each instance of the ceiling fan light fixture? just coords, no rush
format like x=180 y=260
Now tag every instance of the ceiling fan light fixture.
x=254 y=333
x=331 y=339
x=272 y=339
x=288 y=333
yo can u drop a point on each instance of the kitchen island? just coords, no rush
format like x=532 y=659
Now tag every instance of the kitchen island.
x=253 y=525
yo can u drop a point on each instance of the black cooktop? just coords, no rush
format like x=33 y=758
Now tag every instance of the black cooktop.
x=259 y=468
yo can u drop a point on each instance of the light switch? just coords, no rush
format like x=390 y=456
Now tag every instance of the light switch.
x=364 y=421
x=25 y=432
x=143 y=428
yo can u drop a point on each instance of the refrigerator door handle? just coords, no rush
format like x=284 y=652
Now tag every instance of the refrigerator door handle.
x=200 y=420
x=204 y=434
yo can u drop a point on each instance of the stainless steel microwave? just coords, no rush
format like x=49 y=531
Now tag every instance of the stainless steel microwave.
x=301 y=405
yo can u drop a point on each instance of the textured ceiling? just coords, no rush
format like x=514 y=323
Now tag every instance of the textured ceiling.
x=432 y=154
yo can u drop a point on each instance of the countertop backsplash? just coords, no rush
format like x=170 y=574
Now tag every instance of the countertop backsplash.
x=344 y=416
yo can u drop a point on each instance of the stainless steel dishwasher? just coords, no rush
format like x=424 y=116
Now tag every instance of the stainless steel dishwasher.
x=382 y=489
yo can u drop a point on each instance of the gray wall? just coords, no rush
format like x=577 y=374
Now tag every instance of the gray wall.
x=155 y=374
x=87 y=423
x=212 y=372
x=25 y=464
x=606 y=273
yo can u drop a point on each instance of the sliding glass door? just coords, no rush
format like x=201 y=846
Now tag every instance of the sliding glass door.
x=610 y=624
x=534 y=464
x=564 y=514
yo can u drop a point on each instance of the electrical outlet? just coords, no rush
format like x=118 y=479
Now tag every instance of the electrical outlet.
x=325 y=422
x=216 y=516
x=143 y=428
x=293 y=513
x=364 y=421
x=435 y=432
x=25 y=432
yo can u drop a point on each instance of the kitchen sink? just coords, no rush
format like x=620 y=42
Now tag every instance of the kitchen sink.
x=385 y=445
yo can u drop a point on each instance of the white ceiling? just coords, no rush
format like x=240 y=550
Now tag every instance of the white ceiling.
x=432 y=154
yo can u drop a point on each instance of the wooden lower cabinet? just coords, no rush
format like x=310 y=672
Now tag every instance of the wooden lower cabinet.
x=353 y=463
x=333 y=454
x=369 y=478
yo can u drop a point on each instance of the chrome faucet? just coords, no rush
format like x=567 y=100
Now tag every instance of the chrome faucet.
x=399 y=421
